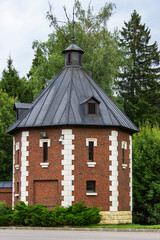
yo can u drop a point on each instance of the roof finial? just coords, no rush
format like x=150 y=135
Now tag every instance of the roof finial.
x=73 y=37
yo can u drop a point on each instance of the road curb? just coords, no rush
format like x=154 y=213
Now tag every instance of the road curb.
x=81 y=229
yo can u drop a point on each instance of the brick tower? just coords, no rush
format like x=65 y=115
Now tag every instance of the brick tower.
x=73 y=143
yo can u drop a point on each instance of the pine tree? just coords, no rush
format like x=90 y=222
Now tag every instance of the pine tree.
x=138 y=82
x=12 y=84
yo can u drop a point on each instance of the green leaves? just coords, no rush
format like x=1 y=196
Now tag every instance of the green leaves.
x=38 y=215
x=7 y=117
x=146 y=175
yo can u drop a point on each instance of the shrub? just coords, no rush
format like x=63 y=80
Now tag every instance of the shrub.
x=5 y=220
x=76 y=215
x=3 y=208
x=28 y=215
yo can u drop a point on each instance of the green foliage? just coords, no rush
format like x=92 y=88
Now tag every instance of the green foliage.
x=5 y=220
x=5 y=214
x=7 y=117
x=138 y=82
x=28 y=215
x=146 y=175
x=102 y=55
x=12 y=84
x=76 y=215
x=3 y=208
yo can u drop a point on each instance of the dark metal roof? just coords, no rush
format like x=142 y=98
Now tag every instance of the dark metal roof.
x=73 y=47
x=5 y=184
x=60 y=104
x=18 y=105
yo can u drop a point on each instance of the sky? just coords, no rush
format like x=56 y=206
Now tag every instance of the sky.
x=23 y=21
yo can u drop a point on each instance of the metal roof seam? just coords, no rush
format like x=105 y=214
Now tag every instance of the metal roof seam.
x=69 y=96
x=55 y=97
x=77 y=98
x=61 y=99
x=81 y=82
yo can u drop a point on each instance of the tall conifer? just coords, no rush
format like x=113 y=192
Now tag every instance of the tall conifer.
x=138 y=82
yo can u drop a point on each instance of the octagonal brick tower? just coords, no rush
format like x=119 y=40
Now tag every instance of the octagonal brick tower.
x=73 y=143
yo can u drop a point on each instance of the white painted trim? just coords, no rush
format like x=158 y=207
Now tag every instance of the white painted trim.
x=91 y=164
x=44 y=164
x=124 y=166
x=13 y=180
x=130 y=173
x=91 y=140
x=17 y=166
x=41 y=141
x=91 y=194
x=114 y=171
x=124 y=145
x=68 y=166
x=17 y=146
x=24 y=164
x=16 y=194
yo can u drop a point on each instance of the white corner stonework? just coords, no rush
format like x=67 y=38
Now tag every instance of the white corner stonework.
x=24 y=164
x=13 y=181
x=68 y=166
x=130 y=172
x=114 y=171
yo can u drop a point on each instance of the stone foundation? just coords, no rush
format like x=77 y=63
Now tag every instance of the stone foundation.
x=119 y=217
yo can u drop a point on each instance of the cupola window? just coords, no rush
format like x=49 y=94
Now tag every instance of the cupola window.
x=69 y=58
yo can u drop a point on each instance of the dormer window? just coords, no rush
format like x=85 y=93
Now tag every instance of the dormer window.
x=91 y=108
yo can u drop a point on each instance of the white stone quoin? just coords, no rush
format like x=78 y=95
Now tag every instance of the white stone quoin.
x=130 y=172
x=24 y=165
x=114 y=170
x=68 y=157
x=13 y=189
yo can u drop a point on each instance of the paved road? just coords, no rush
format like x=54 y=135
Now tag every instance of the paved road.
x=76 y=235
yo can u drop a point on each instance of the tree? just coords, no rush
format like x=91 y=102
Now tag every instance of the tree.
x=7 y=117
x=146 y=175
x=102 y=56
x=138 y=81
x=12 y=84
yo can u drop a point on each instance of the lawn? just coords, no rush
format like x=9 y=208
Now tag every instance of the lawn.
x=133 y=226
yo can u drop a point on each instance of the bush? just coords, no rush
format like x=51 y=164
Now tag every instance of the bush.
x=76 y=215
x=5 y=220
x=3 y=208
x=28 y=215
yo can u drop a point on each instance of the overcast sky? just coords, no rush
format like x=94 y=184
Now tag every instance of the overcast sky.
x=23 y=21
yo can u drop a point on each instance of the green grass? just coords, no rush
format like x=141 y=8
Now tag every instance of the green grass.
x=133 y=226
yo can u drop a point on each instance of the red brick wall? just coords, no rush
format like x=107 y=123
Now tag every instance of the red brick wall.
x=100 y=173
x=123 y=174
x=6 y=195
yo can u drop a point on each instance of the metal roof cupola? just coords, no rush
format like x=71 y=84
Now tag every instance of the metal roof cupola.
x=73 y=53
